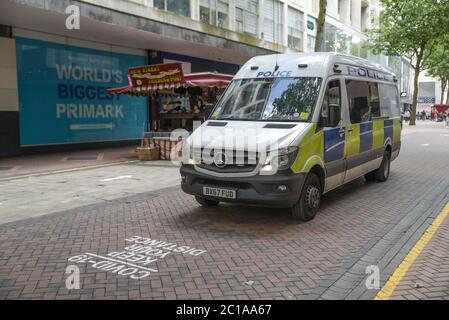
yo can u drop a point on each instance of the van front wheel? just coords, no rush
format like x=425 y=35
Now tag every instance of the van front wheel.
x=309 y=202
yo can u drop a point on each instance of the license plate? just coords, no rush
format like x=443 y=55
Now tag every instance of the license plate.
x=220 y=193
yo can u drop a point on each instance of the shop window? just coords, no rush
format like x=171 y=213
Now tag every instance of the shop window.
x=295 y=29
x=311 y=34
x=273 y=18
x=311 y=43
x=214 y=12
x=330 y=38
x=247 y=16
x=179 y=7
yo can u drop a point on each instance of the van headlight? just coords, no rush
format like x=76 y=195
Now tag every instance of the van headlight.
x=280 y=159
x=187 y=157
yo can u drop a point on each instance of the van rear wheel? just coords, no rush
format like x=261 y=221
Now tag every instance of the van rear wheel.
x=383 y=172
x=206 y=202
x=309 y=202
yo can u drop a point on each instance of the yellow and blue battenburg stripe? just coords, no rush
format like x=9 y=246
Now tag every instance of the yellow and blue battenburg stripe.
x=333 y=144
x=388 y=130
x=366 y=136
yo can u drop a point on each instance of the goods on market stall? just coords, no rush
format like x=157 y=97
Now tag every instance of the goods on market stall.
x=148 y=150
x=162 y=146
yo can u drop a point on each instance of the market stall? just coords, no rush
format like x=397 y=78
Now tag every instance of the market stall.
x=441 y=108
x=177 y=99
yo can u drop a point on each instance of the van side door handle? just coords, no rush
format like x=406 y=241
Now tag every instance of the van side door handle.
x=350 y=130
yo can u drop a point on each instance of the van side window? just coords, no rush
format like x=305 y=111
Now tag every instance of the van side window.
x=358 y=99
x=389 y=100
x=332 y=100
x=374 y=99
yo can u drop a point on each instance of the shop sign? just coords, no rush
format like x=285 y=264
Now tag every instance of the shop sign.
x=63 y=97
x=310 y=25
x=160 y=74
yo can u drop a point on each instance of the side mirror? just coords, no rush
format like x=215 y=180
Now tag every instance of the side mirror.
x=334 y=115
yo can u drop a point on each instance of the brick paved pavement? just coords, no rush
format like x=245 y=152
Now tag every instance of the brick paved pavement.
x=428 y=276
x=282 y=258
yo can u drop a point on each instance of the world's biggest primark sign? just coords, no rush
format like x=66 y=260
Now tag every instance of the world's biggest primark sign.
x=63 y=97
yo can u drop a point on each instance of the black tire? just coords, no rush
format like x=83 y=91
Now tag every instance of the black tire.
x=383 y=172
x=309 y=202
x=206 y=202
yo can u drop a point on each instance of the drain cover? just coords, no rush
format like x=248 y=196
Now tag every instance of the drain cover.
x=82 y=158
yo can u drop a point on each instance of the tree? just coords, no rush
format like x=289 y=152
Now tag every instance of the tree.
x=410 y=28
x=437 y=64
x=320 y=25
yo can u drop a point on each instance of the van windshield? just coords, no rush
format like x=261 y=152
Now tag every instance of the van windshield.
x=269 y=99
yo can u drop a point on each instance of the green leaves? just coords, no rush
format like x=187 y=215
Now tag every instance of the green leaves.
x=415 y=30
x=437 y=62
x=407 y=27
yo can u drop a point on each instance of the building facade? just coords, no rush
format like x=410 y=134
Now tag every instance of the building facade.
x=53 y=79
x=430 y=93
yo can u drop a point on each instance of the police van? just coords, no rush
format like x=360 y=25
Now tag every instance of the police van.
x=291 y=127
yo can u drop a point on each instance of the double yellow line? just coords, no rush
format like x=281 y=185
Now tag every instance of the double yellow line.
x=387 y=291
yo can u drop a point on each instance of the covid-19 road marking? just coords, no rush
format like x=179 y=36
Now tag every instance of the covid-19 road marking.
x=138 y=259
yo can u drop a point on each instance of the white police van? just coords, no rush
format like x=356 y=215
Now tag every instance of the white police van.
x=291 y=127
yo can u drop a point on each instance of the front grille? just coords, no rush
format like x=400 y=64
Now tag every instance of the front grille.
x=234 y=161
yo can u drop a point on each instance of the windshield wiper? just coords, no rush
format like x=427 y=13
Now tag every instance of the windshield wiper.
x=225 y=117
x=280 y=119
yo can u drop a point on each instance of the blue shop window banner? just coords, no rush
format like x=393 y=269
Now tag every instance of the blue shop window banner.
x=63 y=98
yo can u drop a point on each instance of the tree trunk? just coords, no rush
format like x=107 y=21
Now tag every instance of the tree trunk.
x=443 y=88
x=447 y=96
x=415 y=87
x=320 y=25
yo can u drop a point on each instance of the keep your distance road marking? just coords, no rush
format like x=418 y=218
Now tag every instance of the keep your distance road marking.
x=118 y=261
x=389 y=287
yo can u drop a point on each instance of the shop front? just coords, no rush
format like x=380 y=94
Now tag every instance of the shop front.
x=63 y=102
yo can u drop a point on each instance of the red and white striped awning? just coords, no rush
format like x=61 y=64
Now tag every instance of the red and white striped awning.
x=208 y=80
x=202 y=80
